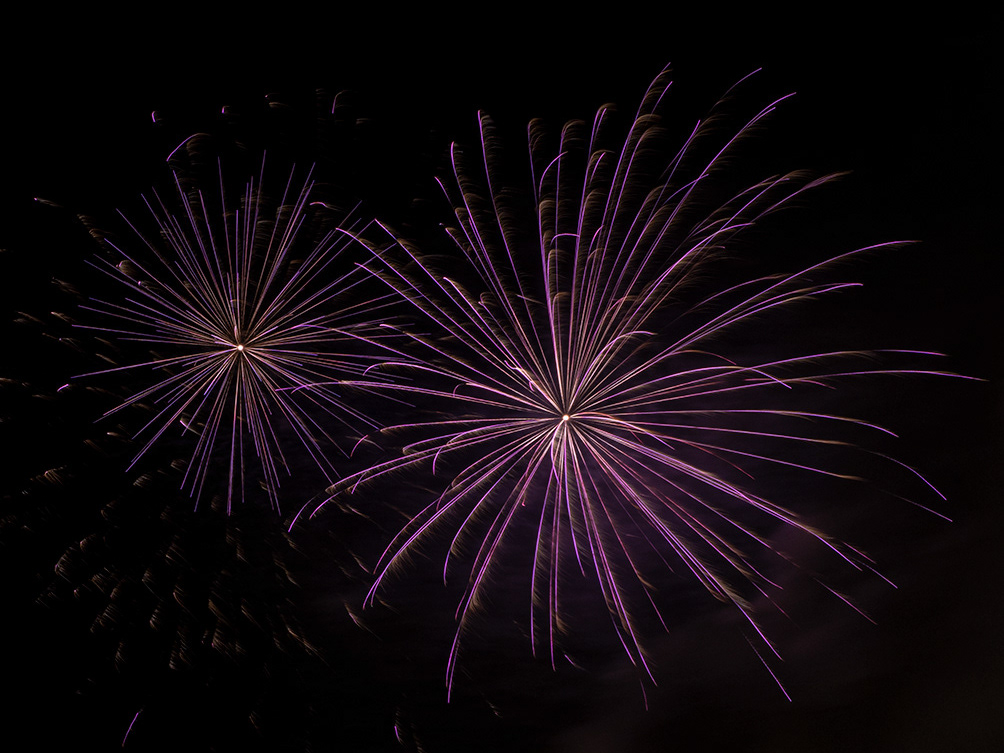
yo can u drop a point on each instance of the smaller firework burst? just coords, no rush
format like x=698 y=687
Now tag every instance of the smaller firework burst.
x=237 y=306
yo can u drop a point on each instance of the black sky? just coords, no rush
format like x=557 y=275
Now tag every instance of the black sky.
x=910 y=109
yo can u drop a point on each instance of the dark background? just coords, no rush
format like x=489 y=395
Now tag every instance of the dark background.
x=911 y=109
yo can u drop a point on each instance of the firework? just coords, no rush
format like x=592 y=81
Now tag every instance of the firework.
x=594 y=390
x=239 y=305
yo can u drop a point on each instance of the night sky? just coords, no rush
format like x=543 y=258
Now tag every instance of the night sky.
x=295 y=663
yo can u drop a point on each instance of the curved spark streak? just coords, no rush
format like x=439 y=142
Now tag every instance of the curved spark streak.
x=596 y=393
x=256 y=306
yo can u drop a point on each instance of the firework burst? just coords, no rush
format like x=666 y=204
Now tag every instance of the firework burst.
x=592 y=396
x=241 y=304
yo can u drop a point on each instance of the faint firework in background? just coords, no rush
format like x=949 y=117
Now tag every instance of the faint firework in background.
x=602 y=410
x=153 y=611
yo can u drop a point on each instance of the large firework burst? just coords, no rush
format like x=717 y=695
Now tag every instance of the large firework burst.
x=240 y=304
x=591 y=395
